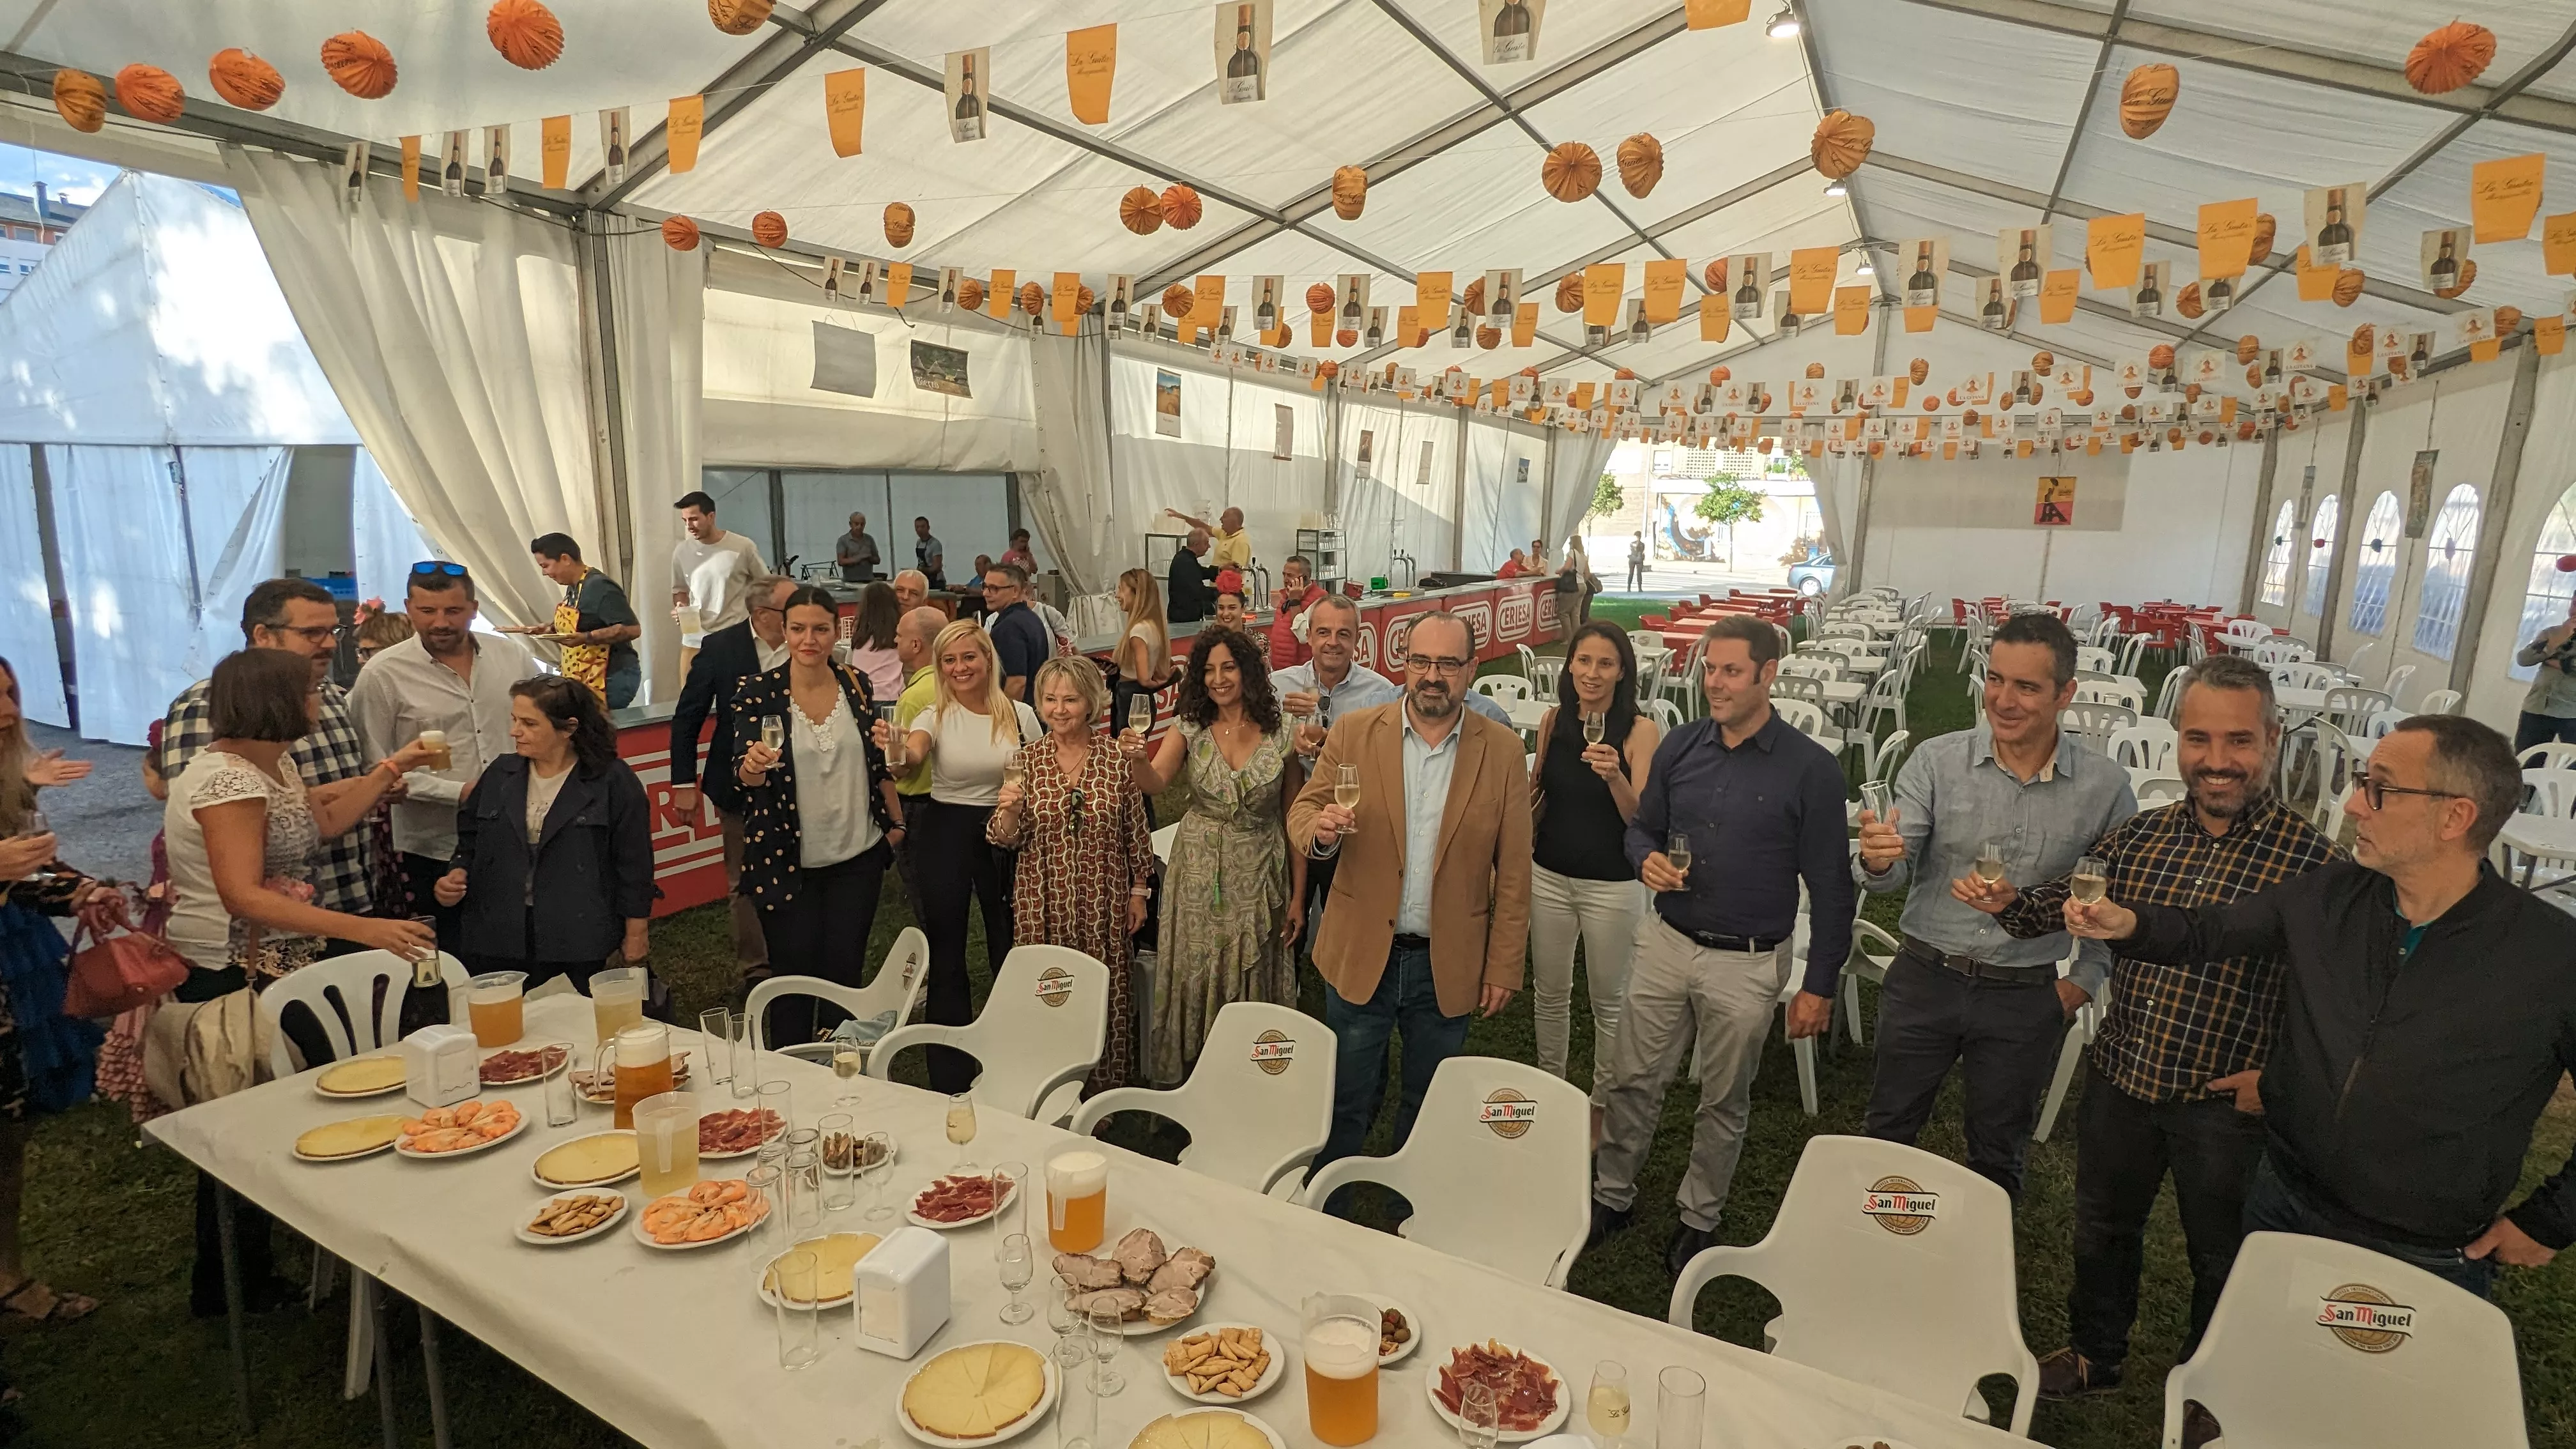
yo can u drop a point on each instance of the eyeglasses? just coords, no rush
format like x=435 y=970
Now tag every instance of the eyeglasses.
x=2375 y=790
x=432 y=567
x=1436 y=662
x=317 y=634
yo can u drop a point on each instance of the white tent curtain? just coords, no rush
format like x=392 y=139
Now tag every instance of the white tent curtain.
x=385 y=542
x=1575 y=468
x=451 y=332
x=26 y=614
x=1071 y=498
x=1398 y=491
x=1225 y=454
x=660 y=300
x=1506 y=474
x=137 y=559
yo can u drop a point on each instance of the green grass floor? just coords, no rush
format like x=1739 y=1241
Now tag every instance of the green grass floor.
x=108 y=1217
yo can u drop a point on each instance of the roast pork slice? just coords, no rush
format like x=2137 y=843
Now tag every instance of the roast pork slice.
x=1138 y=1254
x=1087 y=1272
x=1171 y=1305
x=1187 y=1268
x=1129 y=1302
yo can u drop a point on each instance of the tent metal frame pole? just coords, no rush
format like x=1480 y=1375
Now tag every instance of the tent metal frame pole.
x=1862 y=496
x=608 y=423
x=2264 y=483
x=2357 y=433
x=2495 y=517
x=2084 y=111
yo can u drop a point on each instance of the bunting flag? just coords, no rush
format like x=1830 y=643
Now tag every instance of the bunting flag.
x=681 y=130
x=1090 y=66
x=845 y=108
x=554 y=150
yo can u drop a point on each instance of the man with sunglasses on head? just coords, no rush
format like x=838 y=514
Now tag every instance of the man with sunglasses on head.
x=2427 y=1016
x=300 y=617
x=450 y=678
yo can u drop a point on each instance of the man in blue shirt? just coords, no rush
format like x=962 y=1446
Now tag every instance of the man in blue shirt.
x=1762 y=807
x=1020 y=638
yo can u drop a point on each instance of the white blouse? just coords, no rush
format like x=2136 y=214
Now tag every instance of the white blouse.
x=832 y=819
x=199 y=929
x=966 y=760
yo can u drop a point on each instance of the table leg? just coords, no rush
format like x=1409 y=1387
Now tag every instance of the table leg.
x=384 y=1369
x=235 y=1327
x=437 y=1381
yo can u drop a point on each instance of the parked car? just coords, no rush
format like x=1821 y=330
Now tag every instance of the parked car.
x=1814 y=577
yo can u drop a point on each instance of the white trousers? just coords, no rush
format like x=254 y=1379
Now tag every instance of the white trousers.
x=1604 y=913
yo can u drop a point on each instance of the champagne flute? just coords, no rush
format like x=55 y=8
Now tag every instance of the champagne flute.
x=1479 y=1417
x=961 y=1125
x=1594 y=727
x=848 y=1062
x=1607 y=1409
x=1681 y=1409
x=1677 y=850
x=2092 y=878
x=1346 y=787
x=1016 y=1263
x=894 y=750
x=1108 y=1339
x=1990 y=861
x=773 y=732
x=1140 y=714
x=876 y=1164
x=1059 y=1308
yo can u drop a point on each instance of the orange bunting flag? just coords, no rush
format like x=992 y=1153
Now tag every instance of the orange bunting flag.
x=2227 y=237
x=1320 y=334
x=1602 y=284
x=554 y=149
x=1207 y=305
x=898 y=284
x=2057 y=293
x=1090 y=64
x=2504 y=195
x=845 y=107
x=2316 y=284
x=1710 y=14
x=1407 y=330
x=1665 y=279
x=1714 y=320
x=1066 y=297
x=1001 y=298
x=1525 y=324
x=2549 y=335
x=411 y=168
x=2113 y=246
x=1851 y=311
x=1920 y=319
x=680 y=133
x=2558 y=244
x=1811 y=279
x=1431 y=299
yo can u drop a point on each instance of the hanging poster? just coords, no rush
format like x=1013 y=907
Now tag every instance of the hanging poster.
x=1639 y=329
x=967 y=71
x=2316 y=283
x=1811 y=279
x=1710 y=14
x=845 y=108
x=1422 y=475
x=1995 y=304
x=2441 y=253
x=1090 y=64
x=1525 y=324
x=554 y=149
x=2419 y=492
x=1376 y=334
x=1752 y=284
x=2057 y=293
x=1122 y=300
x=682 y=128
x=1502 y=296
x=1353 y=312
x=2504 y=195
x=613 y=133
x=2558 y=244
x=411 y=168
x=1786 y=315
x=1167 y=410
x=2056 y=506
x=949 y=278
x=496 y=160
x=2226 y=236
x=1714 y=323
x=1368 y=448
x=2333 y=216
x=845 y=360
x=2149 y=299
x=1602 y=284
x=1666 y=278
x=1510 y=29
x=1265 y=304
x=451 y=166
x=2113 y=248
x=939 y=369
x=1242 y=51
x=1851 y=310
x=2021 y=259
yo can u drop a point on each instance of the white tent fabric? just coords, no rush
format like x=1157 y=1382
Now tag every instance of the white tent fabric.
x=385 y=542
x=1073 y=494
x=661 y=320
x=26 y=614
x=1226 y=453
x=1506 y=483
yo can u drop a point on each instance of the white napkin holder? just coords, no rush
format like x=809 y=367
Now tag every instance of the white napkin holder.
x=902 y=1292
x=441 y=1066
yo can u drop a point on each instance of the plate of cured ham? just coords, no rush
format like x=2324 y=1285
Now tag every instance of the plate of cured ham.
x=737 y=1133
x=957 y=1202
x=458 y=1131
x=711 y=1212
x=1532 y=1398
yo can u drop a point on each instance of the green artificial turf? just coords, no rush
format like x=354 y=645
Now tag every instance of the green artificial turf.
x=107 y=1217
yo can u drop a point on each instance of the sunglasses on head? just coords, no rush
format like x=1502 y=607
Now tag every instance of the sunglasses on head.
x=432 y=567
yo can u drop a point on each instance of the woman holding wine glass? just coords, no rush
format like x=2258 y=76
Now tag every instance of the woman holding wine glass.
x=820 y=821
x=971 y=735
x=1086 y=857
x=1594 y=750
x=1234 y=894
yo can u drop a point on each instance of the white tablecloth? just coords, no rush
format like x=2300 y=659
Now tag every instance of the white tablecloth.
x=676 y=1348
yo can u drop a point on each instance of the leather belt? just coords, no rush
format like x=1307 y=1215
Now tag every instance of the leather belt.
x=1405 y=942
x=1976 y=970
x=1750 y=945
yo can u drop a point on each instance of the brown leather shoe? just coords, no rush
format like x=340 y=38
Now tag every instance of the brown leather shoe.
x=2067 y=1374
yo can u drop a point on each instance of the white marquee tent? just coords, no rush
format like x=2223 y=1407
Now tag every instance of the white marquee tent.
x=551 y=359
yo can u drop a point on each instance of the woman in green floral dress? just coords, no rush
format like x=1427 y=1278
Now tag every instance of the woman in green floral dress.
x=1233 y=894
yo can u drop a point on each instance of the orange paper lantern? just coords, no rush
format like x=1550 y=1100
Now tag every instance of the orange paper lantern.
x=2043 y=362
x=1328 y=369
x=360 y=64
x=898 y=224
x=1569 y=293
x=681 y=233
x=1489 y=337
x=738 y=17
x=2248 y=347
x=1350 y=191
x=1177 y=300
x=769 y=229
x=2468 y=274
x=1714 y=274
x=1815 y=371
x=245 y=80
x=1319 y=297
x=2364 y=337
x=2161 y=357
x=2450 y=57
x=1720 y=374
x=150 y=93
x=1346 y=338
x=1032 y=298
x=1841 y=143
x=525 y=32
x=2347 y=285
x=80 y=100
x=2188 y=302
x=2265 y=229
x=1571 y=172
x=1181 y=207
x=1641 y=164
x=1141 y=210
x=1917 y=370
x=970 y=294
x=2147 y=97
x=2508 y=321
x=1084 y=299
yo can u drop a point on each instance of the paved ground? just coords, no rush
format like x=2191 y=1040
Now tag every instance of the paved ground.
x=106 y=822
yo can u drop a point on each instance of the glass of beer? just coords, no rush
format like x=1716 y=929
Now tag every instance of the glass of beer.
x=1077 y=1189
x=642 y=1055
x=435 y=741
x=1340 y=1344
x=666 y=1139
x=616 y=1000
x=493 y=1004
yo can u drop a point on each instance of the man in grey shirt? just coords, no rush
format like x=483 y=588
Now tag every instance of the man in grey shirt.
x=1963 y=989
x=2549 y=707
x=856 y=552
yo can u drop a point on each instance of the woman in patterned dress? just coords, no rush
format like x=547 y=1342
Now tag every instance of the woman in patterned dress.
x=1086 y=865
x=1234 y=895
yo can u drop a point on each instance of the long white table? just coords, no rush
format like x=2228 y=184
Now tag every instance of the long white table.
x=675 y=1348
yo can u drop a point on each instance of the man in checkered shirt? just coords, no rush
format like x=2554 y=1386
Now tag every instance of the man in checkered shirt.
x=298 y=616
x=2172 y=1082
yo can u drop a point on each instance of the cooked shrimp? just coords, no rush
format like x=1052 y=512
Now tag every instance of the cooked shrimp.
x=464 y=1113
x=709 y=1227
x=731 y=1190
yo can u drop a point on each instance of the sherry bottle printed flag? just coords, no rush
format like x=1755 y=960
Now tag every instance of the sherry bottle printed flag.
x=1242 y=51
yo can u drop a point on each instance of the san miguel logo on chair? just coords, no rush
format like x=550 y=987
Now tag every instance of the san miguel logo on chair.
x=1900 y=1205
x=1507 y=1112
x=2365 y=1318
x=1273 y=1050
x=1055 y=985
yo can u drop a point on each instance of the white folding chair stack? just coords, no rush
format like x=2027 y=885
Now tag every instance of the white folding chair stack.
x=1258 y=1105
x=896 y=987
x=1042 y=1029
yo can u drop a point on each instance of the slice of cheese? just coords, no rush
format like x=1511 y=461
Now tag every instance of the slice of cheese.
x=836 y=1257
x=347 y=1139
x=589 y=1159
x=975 y=1391
x=362 y=1074
x=1207 y=1429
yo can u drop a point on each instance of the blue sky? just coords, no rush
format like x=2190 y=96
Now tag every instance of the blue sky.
x=68 y=177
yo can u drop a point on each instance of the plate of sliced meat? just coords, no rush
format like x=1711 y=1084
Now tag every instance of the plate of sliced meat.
x=738 y=1133
x=1151 y=1288
x=1531 y=1396
x=957 y=1202
x=511 y=1068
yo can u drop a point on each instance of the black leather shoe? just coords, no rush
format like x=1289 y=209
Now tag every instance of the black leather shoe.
x=1686 y=1245
x=1606 y=1220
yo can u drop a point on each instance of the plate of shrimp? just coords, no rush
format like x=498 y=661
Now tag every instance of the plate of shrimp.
x=461 y=1130
x=708 y=1213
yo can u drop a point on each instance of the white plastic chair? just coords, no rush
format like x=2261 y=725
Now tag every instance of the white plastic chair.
x=1257 y=1106
x=1873 y=951
x=1807 y=720
x=2147 y=745
x=2349 y=709
x=1519 y=1204
x=1843 y=1274
x=1027 y=1046
x=1542 y=670
x=2095 y=658
x=1503 y=688
x=2440 y=701
x=2553 y=793
x=2271 y=1374
x=2281 y=649
x=2548 y=755
x=896 y=987
x=338 y=991
x=2112 y=691
x=2382 y=722
x=1666 y=716
x=2397 y=681
x=2160 y=790
x=2244 y=634
x=2079 y=1035
x=2093 y=722
x=2303 y=676
x=2169 y=693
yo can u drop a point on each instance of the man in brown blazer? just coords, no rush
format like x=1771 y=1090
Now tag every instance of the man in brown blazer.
x=1428 y=920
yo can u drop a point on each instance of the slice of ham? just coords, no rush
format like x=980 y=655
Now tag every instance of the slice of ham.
x=955 y=1199
x=1525 y=1392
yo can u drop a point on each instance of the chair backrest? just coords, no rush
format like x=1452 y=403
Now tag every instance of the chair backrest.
x=2094 y=720
x=2440 y=701
x=2305 y=1348
x=2247 y=631
x=1046 y=1021
x=1499 y=1168
x=2281 y=649
x=2146 y=745
x=2091 y=657
x=2298 y=675
x=2553 y=755
x=1846 y=1260
x=2160 y=790
x=1798 y=686
x=2113 y=691
x=2169 y=693
x=339 y=990
x=2553 y=793
x=1666 y=714
x=1258 y=1104
x=1503 y=686
x=2396 y=681
x=1529 y=660
x=2349 y=708
x=1650 y=673
x=1891 y=753
x=1807 y=719
x=1822 y=664
x=896 y=987
x=1645 y=641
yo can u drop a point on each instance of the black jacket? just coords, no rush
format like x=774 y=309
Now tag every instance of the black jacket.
x=725 y=659
x=1188 y=596
x=2400 y=1095
x=592 y=864
x=772 y=838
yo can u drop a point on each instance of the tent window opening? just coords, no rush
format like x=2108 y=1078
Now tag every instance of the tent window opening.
x=2375 y=553
x=2447 y=557
x=2276 y=560
x=2552 y=584
x=2320 y=554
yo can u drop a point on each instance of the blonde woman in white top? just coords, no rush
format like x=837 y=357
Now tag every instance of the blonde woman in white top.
x=969 y=735
x=1145 y=654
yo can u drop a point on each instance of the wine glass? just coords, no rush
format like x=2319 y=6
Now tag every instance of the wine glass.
x=2091 y=880
x=1990 y=861
x=773 y=732
x=1346 y=787
x=1108 y=1339
x=848 y=1062
x=1017 y=1263
x=1479 y=1417
x=1607 y=1409
x=1140 y=714
x=1059 y=1307
x=1677 y=850
x=1594 y=727
x=961 y=1125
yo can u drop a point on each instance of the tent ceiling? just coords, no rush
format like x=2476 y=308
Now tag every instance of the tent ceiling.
x=1990 y=113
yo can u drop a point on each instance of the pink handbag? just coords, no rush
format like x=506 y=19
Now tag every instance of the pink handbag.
x=114 y=969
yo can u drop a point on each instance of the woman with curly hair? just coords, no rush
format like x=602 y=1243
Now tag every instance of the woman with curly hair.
x=1234 y=894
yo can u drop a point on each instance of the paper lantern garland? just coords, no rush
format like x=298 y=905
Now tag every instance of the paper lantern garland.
x=360 y=64
x=1569 y=292
x=1714 y=274
x=769 y=229
x=1345 y=338
x=525 y=32
x=2468 y=274
x=1177 y=300
x=1181 y=207
x=738 y=17
x=1641 y=164
x=1571 y=172
x=245 y=80
x=2266 y=230
x=680 y=233
x=1319 y=298
x=970 y=294
x=2146 y=98
x=1350 y=191
x=1489 y=338
x=1473 y=300
x=2188 y=302
x=80 y=99
x=2450 y=57
x=1032 y=298
x=898 y=224
x=150 y=93
x=1841 y=143
x=1141 y=210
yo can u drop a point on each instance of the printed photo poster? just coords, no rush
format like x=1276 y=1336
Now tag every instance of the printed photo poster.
x=1122 y=301
x=1752 y=271
x=2056 y=505
x=968 y=71
x=2021 y=259
x=1639 y=329
x=613 y=134
x=1462 y=325
x=1167 y=410
x=1225 y=323
x=949 y=277
x=2149 y=298
x=2332 y=217
x=940 y=369
x=1352 y=312
x=2419 y=491
x=2442 y=252
x=496 y=160
x=1242 y=51
x=1376 y=334
x=1265 y=304
x=1502 y=296
x=1995 y=303
x=1789 y=321
x=451 y=164
x=1510 y=29
x=833 y=270
x=1368 y=451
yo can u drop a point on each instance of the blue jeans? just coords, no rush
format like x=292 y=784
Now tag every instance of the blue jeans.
x=1405 y=999
x=2274 y=1207
x=623 y=680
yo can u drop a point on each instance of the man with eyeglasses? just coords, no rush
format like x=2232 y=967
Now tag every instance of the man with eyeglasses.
x=446 y=677
x=730 y=658
x=2427 y=1015
x=1430 y=925
x=300 y=617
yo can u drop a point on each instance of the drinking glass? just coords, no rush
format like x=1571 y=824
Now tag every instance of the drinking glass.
x=1594 y=727
x=1479 y=1417
x=1340 y=1346
x=961 y=1125
x=1140 y=713
x=429 y=924
x=1011 y=1193
x=2092 y=878
x=1077 y=1413
x=1108 y=1340
x=1059 y=1306
x=1016 y=1262
x=715 y=1040
x=563 y=1108
x=1990 y=861
x=1346 y=787
x=840 y=1162
x=876 y=1154
x=800 y=1313
x=1014 y=773
x=773 y=731
x=34 y=825
x=805 y=1190
x=778 y=1097
x=1606 y=1411
x=849 y=1063
x=804 y=1139
x=1677 y=850
x=745 y=1054
x=1874 y=799
x=894 y=751
x=1681 y=1407
x=769 y=1180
